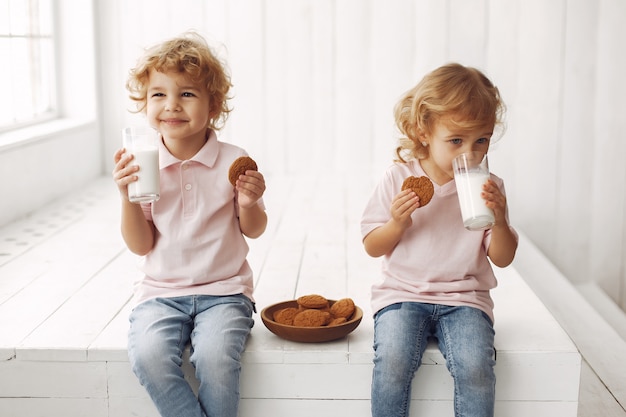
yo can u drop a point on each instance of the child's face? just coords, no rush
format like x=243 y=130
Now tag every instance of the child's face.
x=177 y=107
x=448 y=141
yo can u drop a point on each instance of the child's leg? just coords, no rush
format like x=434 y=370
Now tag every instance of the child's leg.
x=466 y=338
x=400 y=338
x=221 y=329
x=159 y=332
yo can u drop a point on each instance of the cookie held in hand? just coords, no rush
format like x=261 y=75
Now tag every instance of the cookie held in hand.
x=422 y=186
x=239 y=167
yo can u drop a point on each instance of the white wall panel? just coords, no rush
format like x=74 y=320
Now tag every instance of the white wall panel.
x=467 y=25
x=353 y=85
x=393 y=43
x=502 y=66
x=608 y=190
x=575 y=144
x=539 y=100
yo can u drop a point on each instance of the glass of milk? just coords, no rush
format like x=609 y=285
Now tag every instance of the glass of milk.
x=471 y=171
x=142 y=142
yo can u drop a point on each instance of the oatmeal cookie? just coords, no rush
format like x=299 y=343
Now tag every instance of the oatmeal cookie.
x=342 y=308
x=422 y=186
x=311 y=318
x=285 y=315
x=313 y=301
x=239 y=167
x=337 y=321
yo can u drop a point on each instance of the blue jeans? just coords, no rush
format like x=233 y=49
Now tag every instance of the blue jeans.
x=465 y=336
x=217 y=328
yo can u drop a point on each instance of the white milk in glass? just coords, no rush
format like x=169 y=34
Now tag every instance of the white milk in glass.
x=146 y=188
x=476 y=215
x=142 y=142
x=471 y=172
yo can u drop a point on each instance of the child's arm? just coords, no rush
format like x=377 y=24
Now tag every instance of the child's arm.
x=138 y=233
x=383 y=239
x=503 y=245
x=503 y=242
x=252 y=218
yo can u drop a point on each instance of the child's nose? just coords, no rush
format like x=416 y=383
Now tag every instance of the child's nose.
x=172 y=104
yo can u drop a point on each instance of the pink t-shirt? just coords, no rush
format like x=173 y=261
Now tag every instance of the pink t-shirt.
x=437 y=261
x=199 y=248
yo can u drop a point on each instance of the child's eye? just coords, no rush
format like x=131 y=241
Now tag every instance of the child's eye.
x=188 y=94
x=456 y=141
x=482 y=140
x=158 y=95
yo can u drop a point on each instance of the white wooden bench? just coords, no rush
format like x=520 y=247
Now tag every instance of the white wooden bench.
x=66 y=279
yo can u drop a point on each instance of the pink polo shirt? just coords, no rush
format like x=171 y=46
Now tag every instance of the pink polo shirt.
x=199 y=248
x=437 y=261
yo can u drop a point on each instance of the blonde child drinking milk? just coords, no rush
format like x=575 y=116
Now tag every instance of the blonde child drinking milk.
x=436 y=275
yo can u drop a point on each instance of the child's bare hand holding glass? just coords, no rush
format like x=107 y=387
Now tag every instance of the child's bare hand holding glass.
x=503 y=241
x=138 y=233
x=496 y=201
x=123 y=172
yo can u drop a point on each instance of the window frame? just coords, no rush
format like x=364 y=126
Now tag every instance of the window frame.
x=49 y=109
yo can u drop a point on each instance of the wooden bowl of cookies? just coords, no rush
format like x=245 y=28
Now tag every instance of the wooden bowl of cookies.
x=312 y=318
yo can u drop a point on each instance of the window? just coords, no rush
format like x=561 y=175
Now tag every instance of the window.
x=27 y=73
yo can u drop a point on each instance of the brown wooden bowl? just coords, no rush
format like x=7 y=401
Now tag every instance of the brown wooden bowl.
x=308 y=334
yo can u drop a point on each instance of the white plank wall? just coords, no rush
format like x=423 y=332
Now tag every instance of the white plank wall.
x=608 y=205
x=573 y=226
x=315 y=82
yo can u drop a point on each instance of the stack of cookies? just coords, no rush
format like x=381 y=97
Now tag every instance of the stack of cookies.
x=315 y=310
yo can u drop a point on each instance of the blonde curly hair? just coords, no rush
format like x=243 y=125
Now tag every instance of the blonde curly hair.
x=187 y=54
x=462 y=94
